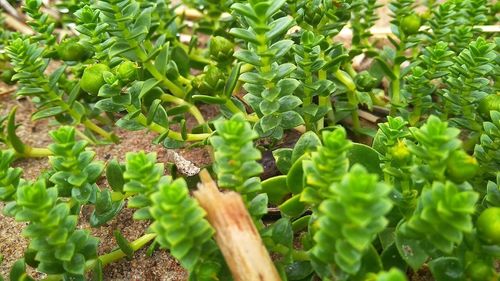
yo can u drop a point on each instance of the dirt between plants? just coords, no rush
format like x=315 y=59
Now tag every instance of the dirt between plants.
x=160 y=266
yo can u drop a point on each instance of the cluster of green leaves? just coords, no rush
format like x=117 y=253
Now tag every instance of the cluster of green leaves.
x=487 y=150
x=50 y=206
x=10 y=176
x=180 y=223
x=270 y=90
x=56 y=245
x=364 y=17
x=131 y=60
x=327 y=165
x=74 y=171
x=351 y=215
x=235 y=157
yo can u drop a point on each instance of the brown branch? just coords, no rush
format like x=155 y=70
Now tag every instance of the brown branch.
x=9 y=9
x=17 y=25
x=236 y=235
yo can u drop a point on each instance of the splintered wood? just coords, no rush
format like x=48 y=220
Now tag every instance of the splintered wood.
x=236 y=235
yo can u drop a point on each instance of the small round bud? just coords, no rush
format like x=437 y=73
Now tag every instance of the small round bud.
x=71 y=50
x=6 y=76
x=461 y=166
x=221 y=49
x=365 y=81
x=410 y=24
x=93 y=79
x=488 y=225
x=489 y=103
x=126 y=71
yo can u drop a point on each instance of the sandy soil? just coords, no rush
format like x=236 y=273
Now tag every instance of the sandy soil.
x=158 y=267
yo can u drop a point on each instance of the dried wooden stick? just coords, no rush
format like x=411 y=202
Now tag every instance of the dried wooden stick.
x=17 y=25
x=368 y=116
x=8 y=91
x=9 y=9
x=236 y=235
x=190 y=14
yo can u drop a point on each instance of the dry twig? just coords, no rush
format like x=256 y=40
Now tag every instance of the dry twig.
x=236 y=235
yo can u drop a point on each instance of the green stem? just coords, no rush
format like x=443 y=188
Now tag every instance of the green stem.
x=162 y=130
x=325 y=101
x=307 y=100
x=35 y=152
x=234 y=109
x=89 y=124
x=77 y=116
x=346 y=79
x=416 y=113
x=192 y=109
x=395 y=89
x=85 y=137
x=135 y=245
x=396 y=83
x=111 y=257
x=348 y=67
x=307 y=91
x=176 y=90
x=195 y=57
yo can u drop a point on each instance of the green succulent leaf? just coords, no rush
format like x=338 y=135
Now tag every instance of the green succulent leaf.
x=327 y=165
x=235 y=156
x=442 y=217
x=179 y=222
x=10 y=178
x=351 y=217
x=142 y=174
x=75 y=173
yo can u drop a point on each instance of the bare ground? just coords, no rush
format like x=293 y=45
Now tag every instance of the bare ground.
x=160 y=266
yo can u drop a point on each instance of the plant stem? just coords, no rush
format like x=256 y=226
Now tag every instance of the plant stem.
x=89 y=124
x=307 y=91
x=162 y=130
x=192 y=109
x=234 y=109
x=176 y=90
x=396 y=83
x=135 y=245
x=325 y=101
x=75 y=115
x=111 y=257
x=395 y=89
x=36 y=152
x=195 y=57
x=85 y=137
x=349 y=69
x=345 y=79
